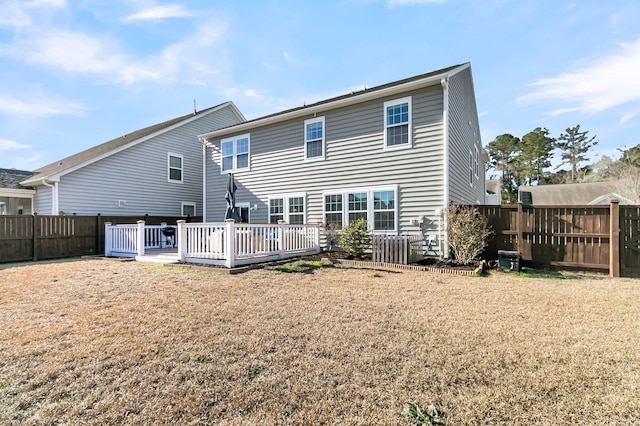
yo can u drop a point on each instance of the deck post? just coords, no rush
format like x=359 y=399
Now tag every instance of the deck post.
x=614 y=238
x=182 y=240
x=140 y=238
x=107 y=239
x=281 y=240
x=229 y=244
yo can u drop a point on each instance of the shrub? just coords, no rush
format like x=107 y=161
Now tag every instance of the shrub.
x=356 y=239
x=468 y=232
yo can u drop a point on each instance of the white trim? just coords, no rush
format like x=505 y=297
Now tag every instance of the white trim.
x=322 y=139
x=173 y=154
x=56 y=175
x=338 y=103
x=17 y=193
x=369 y=190
x=183 y=204
x=393 y=102
x=204 y=183
x=285 y=205
x=234 y=156
x=444 y=248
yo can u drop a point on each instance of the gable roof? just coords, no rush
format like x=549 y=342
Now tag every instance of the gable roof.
x=11 y=178
x=578 y=194
x=343 y=100
x=88 y=156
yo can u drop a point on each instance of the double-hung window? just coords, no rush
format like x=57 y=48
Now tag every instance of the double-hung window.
x=235 y=153
x=188 y=209
x=289 y=208
x=175 y=167
x=397 y=123
x=377 y=205
x=314 y=139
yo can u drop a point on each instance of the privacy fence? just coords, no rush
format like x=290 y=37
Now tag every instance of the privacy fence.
x=48 y=237
x=603 y=238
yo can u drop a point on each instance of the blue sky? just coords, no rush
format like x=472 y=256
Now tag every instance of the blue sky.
x=76 y=73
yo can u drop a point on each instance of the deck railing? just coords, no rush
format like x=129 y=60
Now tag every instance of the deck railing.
x=210 y=243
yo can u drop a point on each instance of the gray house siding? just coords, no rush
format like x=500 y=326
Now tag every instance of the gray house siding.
x=42 y=201
x=355 y=158
x=464 y=139
x=135 y=180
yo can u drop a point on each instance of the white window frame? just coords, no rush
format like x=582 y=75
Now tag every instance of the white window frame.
x=370 y=206
x=391 y=103
x=307 y=141
x=470 y=168
x=169 y=167
x=476 y=163
x=285 y=206
x=184 y=204
x=234 y=141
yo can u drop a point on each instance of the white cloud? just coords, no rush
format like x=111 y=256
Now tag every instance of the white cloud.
x=607 y=83
x=251 y=93
x=159 y=12
x=37 y=106
x=9 y=145
x=15 y=14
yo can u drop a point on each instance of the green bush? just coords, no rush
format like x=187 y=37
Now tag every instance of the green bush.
x=356 y=238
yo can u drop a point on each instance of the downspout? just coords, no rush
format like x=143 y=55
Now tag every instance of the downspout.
x=54 y=196
x=204 y=180
x=444 y=82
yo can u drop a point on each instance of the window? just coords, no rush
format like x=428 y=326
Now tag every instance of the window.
x=235 y=153
x=188 y=209
x=377 y=205
x=397 y=123
x=175 y=167
x=470 y=168
x=314 y=139
x=476 y=163
x=290 y=208
x=243 y=209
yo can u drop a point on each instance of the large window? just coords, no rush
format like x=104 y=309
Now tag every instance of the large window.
x=188 y=209
x=397 y=123
x=175 y=164
x=314 y=139
x=289 y=208
x=377 y=205
x=235 y=153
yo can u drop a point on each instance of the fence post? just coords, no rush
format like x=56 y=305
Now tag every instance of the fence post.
x=182 y=240
x=140 y=240
x=107 y=239
x=34 y=234
x=229 y=244
x=98 y=234
x=281 y=240
x=519 y=221
x=614 y=238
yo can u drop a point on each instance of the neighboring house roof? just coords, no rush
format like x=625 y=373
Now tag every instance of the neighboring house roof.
x=66 y=165
x=11 y=178
x=343 y=100
x=572 y=194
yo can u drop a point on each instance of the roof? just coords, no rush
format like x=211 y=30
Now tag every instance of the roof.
x=87 y=156
x=347 y=99
x=11 y=178
x=574 y=193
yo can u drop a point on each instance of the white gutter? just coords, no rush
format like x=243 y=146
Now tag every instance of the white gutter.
x=303 y=112
x=445 y=136
x=54 y=196
x=204 y=182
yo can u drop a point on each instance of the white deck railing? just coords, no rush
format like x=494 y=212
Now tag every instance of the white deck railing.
x=210 y=242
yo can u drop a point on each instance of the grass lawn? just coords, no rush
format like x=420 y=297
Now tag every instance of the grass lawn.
x=110 y=342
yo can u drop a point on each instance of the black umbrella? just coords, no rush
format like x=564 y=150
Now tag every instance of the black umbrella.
x=232 y=212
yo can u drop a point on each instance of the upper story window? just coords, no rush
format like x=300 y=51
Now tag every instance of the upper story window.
x=175 y=167
x=289 y=208
x=397 y=123
x=314 y=139
x=235 y=153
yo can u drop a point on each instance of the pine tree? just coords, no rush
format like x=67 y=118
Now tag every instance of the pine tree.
x=573 y=145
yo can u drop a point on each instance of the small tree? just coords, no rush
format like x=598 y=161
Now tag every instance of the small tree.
x=468 y=232
x=355 y=239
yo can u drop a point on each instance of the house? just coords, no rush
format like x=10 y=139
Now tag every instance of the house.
x=15 y=199
x=395 y=154
x=577 y=194
x=156 y=170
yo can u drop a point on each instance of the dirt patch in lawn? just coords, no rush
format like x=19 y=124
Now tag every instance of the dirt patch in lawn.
x=107 y=342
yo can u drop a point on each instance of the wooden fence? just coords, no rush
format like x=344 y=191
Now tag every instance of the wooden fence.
x=50 y=237
x=593 y=237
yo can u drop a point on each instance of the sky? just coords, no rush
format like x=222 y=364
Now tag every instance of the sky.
x=77 y=73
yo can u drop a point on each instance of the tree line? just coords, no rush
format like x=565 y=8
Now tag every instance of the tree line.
x=527 y=161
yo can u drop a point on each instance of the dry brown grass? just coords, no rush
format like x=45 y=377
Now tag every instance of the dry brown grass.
x=106 y=342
